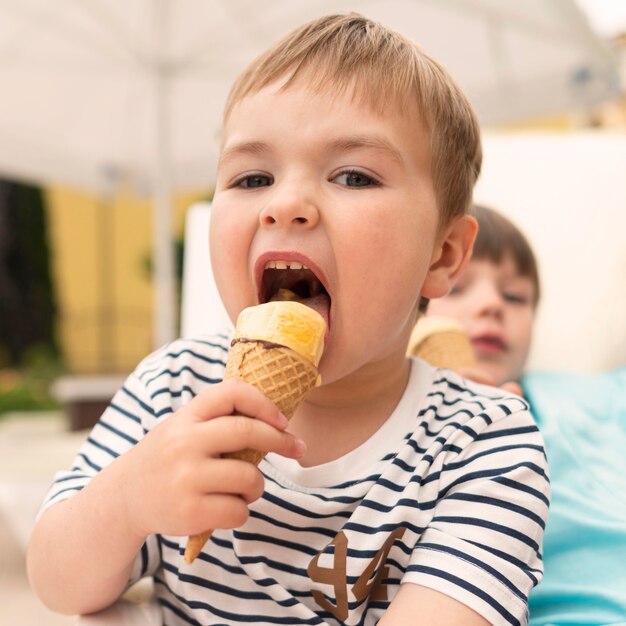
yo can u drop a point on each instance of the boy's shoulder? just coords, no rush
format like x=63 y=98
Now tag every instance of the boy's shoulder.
x=185 y=350
x=184 y=364
x=451 y=397
x=460 y=421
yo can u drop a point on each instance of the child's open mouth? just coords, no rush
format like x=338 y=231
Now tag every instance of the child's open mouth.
x=291 y=280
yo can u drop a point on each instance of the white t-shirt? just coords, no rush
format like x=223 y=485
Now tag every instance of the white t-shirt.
x=450 y=493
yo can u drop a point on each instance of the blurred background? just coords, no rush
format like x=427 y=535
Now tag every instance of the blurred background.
x=109 y=131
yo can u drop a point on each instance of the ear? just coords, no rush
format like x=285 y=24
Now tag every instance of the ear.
x=452 y=252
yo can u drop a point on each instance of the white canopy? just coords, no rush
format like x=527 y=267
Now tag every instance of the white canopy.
x=97 y=91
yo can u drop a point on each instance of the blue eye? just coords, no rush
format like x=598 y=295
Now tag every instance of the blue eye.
x=254 y=181
x=354 y=178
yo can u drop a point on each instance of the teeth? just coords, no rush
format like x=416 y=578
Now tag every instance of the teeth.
x=285 y=265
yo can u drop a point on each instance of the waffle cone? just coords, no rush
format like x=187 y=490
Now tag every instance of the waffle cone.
x=282 y=375
x=441 y=343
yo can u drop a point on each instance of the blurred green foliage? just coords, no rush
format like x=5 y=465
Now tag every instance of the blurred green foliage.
x=27 y=387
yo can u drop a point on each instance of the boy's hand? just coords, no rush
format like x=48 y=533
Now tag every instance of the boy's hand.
x=178 y=484
x=482 y=377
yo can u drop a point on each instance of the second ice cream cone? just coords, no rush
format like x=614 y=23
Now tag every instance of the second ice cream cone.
x=441 y=342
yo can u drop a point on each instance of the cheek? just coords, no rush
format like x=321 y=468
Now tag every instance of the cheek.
x=230 y=244
x=380 y=269
x=455 y=307
x=521 y=330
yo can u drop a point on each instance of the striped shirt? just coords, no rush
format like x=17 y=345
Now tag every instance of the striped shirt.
x=450 y=493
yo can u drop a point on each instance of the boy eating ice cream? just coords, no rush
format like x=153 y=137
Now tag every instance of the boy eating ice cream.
x=397 y=493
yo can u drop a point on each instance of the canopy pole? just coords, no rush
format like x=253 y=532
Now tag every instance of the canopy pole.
x=164 y=314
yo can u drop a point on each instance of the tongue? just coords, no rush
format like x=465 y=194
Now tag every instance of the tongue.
x=319 y=303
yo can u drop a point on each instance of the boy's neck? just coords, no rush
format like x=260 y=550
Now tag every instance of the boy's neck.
x=350 y=410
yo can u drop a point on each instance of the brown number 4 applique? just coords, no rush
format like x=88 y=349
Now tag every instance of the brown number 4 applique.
x=367 y=584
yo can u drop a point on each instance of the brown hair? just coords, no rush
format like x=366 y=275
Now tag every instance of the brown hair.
x=383 y=68
x=498 y=238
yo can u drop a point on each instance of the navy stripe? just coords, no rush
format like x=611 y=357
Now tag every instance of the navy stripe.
x=166 y=411
x=224 y=346
x=174 y=609
x=228 y=590
x=532 y=573
x=118 y=432
x=464 y=584
x=124 y=412
x=273 y=540
x=146 y=407
x=383 y=528
x=73 y=476
x=454 y=465
x=205 y=556
x=413 y=443
x=505 y=530
x=445 y=401
x=508 y=432
x=198 y=355
x=477 y=562
x=250 y=619
x=490 y=473
x=481 y=405
x=75 y=489
x=177 y=373
x=102 y=447
x=176 y=394
x=149 y=369
x=284 y=504
x=514 y=484
x=88 y=461
x=144 y=559
x=503 y=504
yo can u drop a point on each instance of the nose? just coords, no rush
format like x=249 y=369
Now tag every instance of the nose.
x=489 y=301
x=289 y=207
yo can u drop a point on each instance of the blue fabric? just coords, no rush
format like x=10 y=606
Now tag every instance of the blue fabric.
x=583 y=420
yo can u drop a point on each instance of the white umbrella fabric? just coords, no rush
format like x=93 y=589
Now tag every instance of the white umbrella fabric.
x=98 y=91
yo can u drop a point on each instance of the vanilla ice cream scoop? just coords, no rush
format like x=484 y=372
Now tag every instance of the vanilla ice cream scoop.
x=285 y=323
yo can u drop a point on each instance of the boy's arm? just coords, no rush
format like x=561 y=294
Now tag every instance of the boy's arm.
x=421 y=606
x=173 y=481
x=89 y=535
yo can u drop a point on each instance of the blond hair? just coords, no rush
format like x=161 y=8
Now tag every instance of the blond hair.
x=383 y=68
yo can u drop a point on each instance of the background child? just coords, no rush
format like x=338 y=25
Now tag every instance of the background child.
x=495 y=298
x=346 y=171
x=582 y=418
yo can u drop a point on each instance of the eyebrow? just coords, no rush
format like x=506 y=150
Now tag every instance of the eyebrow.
x=252 y=148
x=369 y=142
x=343 y=144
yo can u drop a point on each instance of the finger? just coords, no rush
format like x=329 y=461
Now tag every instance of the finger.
x=220 y=511
x=230 y=477
x=235 y=396
x=237 y=432
x=513 y=387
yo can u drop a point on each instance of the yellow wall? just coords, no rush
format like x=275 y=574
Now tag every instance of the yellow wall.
x=99 y=333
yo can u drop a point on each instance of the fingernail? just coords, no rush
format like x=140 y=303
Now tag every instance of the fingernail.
x=300 y=446
x=282 y=420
